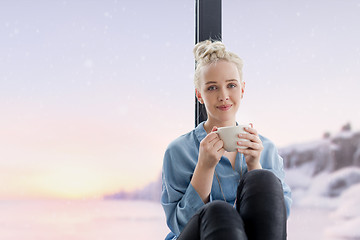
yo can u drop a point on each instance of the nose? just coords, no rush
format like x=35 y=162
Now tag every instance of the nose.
x=223 y=95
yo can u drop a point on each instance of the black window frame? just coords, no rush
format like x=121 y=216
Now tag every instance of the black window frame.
x=208 y=25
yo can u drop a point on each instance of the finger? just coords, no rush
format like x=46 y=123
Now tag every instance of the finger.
x=248 y=144
x=251 y=137
x=221 y=152
x=214 y=129
x=251 y=130
x=249 y=152
x=213 y=136
x=218 y=145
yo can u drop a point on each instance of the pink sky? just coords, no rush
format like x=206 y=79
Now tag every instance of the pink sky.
x=89 y=102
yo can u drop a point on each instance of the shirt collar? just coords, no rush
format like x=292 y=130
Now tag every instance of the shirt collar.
x=200 y=132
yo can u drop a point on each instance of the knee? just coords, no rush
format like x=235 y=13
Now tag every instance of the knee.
x=260 y=181
x=261 y=175
x=260 y=188
x=217 y=208
x=219 y=220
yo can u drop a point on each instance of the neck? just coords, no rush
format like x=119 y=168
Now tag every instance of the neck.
x=209 y=124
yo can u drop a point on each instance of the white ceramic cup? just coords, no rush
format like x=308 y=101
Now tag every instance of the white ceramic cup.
x=230 y=137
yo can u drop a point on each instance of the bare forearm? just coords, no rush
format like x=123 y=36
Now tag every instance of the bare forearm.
x=202 y=181
x=254 y=166
x=210 y=152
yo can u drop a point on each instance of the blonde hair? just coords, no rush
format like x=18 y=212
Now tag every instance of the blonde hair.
x=208 y=52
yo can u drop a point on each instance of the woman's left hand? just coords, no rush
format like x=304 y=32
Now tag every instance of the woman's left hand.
x=254 y=148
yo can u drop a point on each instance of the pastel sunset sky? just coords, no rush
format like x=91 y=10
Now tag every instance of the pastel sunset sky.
x=92 y=92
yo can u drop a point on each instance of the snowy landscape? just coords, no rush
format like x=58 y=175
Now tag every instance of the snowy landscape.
x=324 y=176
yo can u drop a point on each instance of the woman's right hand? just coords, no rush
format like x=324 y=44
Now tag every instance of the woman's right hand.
x=211 y=150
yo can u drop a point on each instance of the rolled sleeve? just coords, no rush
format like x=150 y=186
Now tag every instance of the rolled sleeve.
x=179 y=198
x=178 y=213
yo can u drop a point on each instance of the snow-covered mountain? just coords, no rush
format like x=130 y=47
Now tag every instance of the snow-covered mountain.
x=323 y=168
x=328 y=154
x=326 y=174
x=150 y=192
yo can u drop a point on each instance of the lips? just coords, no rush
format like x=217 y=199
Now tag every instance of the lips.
x=224 y=107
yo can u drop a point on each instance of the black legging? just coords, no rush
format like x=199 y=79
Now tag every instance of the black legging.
x=260 y=213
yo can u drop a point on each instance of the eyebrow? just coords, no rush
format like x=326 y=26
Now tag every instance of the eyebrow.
x=230 y=80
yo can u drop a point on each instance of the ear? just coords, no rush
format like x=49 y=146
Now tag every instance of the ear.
x=198 y=96
x=242 y=89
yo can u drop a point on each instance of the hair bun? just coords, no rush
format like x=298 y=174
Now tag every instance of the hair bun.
x=209 y=51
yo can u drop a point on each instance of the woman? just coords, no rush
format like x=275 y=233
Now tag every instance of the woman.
x=197 y=171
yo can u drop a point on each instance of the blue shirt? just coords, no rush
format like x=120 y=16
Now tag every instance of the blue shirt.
x=179 y=198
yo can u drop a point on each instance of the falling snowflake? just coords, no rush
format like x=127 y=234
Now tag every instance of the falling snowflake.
x=88 y=63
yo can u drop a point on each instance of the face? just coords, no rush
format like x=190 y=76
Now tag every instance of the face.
x=220 y=91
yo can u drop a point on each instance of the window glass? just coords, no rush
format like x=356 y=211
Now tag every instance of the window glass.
x=91 y=93
x=301 y=65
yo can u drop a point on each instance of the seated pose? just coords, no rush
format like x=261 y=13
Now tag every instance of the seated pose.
x=209 y=193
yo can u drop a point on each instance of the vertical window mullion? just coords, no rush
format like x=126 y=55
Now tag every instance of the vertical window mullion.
x=207 y=26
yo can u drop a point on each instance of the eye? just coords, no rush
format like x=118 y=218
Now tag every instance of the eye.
x=232 y=85
x=211 y=88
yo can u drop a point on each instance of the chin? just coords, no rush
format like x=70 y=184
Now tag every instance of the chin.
x=220 y=116
x=228 y=117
